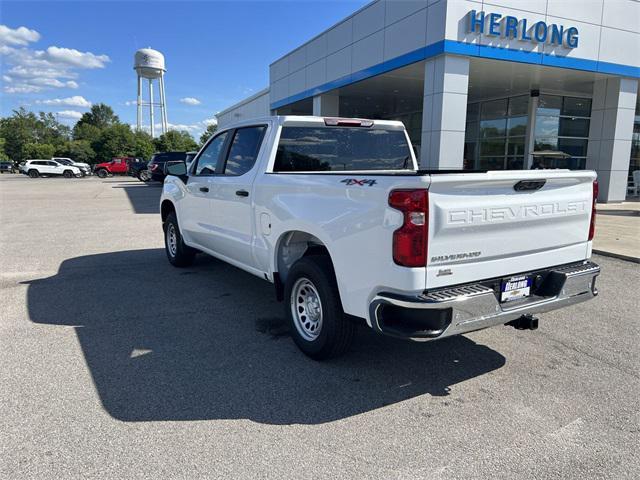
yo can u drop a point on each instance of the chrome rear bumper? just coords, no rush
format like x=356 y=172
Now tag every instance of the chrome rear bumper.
x=452 y=311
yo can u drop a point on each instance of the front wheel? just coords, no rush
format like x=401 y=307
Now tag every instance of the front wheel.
x=102 y=173
x=178 y=253
x=144 y=176
x=313 y=309
x=67 y=174
x=33 y=173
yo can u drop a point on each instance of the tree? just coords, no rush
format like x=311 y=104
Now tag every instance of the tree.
x=142 y=145
x=3 y=155
x=101 y=116
x=114 y=141
x=175 y=141
x=206 y=135
x=77 y=150
x=86 y=131
x=39 y=150
x=19 y=130
x=50 y=130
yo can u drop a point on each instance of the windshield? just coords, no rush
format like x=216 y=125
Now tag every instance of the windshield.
x=305 y=149
x=65 y=162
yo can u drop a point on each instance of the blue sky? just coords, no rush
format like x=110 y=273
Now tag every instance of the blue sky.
x=72 y=54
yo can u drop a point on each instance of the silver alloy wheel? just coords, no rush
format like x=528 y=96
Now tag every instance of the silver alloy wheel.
x=306 y=309
x=172 y=240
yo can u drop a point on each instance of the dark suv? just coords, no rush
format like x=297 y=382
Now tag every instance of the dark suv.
x=7 y=167
x=158 y=163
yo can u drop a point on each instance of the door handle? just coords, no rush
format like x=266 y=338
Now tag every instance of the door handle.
x=204 y=189
x=242 y=193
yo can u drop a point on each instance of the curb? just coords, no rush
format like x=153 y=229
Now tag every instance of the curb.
x=619 y=256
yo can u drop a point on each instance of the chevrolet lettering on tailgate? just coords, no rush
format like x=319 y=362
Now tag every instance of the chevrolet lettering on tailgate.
x=462 y=216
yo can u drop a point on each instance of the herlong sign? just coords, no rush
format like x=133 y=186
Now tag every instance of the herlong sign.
x=497 y=25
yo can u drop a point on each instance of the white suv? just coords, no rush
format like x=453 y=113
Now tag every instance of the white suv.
x=85 y=168
x=35 y=168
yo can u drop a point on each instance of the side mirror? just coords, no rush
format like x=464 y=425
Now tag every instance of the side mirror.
x=176 y=168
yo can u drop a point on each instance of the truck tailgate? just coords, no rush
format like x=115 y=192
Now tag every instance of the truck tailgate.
x=481 y=226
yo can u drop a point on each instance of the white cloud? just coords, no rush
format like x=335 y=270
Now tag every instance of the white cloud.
x=72 y=114
x=22 y=89
x=17 y=36
x=210 y=121
x=51 y=82
x=190 y=101
x=74 y=57
x=128 y=103
x=75 y=101
x=37 y=70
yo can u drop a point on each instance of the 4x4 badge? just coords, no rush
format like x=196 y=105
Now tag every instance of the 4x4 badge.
x=361 y=183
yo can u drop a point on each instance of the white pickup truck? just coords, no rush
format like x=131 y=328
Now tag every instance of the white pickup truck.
x=338 y=216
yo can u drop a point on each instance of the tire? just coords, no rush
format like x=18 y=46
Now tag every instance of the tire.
x=67 y=174
x=33 y=173
x=144 y=176
x=102 y=173
x=179 y=254
x=311 y=291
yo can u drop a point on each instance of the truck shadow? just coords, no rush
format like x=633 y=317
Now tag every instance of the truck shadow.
x=208 y=342
x=144 y=197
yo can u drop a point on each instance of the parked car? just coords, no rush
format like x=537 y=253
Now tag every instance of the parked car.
x=85 y=168
x=7 y=167
x=338 y=216
x=37 y=168
x=117 y=166
x=159 y=161
x=138 y=168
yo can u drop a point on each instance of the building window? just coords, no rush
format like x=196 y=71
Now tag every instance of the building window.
x=562 y=125
x=495 y=134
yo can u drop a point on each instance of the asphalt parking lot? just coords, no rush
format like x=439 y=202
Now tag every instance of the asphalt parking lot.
x=115 y=364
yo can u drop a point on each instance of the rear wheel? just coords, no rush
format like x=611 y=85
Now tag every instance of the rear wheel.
x=67 y=174
x=33 y=173
x=178 y=253
x=102 y=173
x=317 y=322
x=144 y=176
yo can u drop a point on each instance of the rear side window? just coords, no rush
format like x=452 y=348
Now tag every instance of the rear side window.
x=322 y=149
x=244 y=150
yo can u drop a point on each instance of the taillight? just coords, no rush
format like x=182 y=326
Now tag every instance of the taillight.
x=410 y=240
x=592 y=224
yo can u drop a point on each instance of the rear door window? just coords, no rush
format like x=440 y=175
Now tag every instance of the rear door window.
x=244 y=149
x=322 y=149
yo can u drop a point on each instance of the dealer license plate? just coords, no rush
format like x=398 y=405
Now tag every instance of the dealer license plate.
x=515 y=288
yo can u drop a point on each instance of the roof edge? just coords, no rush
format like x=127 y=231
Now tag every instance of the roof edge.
x=262 y=92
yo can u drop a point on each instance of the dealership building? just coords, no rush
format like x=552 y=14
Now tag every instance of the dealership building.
x=505 y=84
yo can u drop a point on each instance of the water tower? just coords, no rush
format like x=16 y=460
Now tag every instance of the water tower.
x=149 y=64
